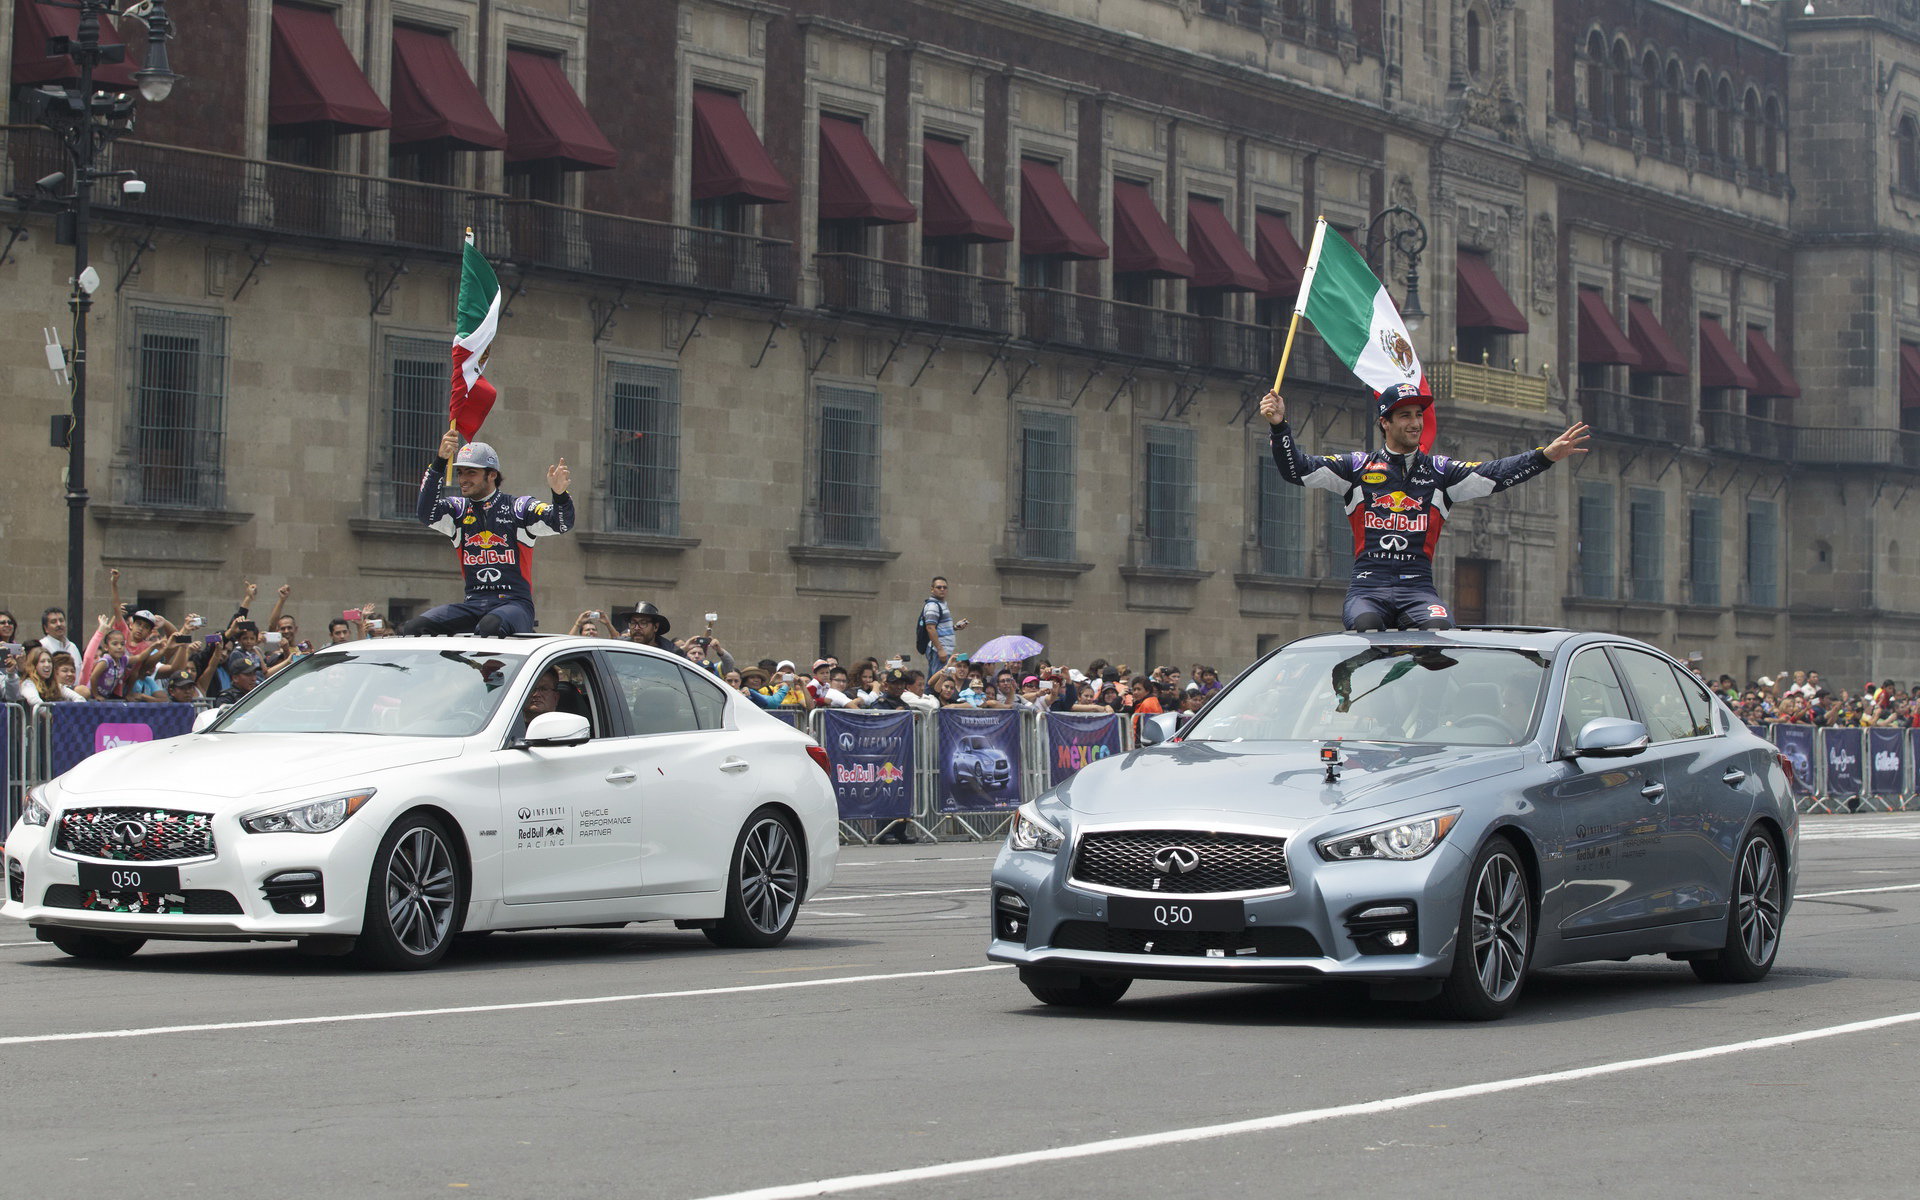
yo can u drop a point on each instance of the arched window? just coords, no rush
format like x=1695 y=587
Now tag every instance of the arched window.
x=1676 y=112
x=1622 y=86
x=1723 y=118
x=1651 y=100
x=1906 y=153
x=1596 y=76
x=1703 y=113
x=1750 y=130
x=1473 y=43
x=1774 y=130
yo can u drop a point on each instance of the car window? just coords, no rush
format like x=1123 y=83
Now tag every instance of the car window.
x=565 y=686
x=654 y=692
x=1593 y=691
x=709 y=702
x=1699 y=704
x=1658 y=694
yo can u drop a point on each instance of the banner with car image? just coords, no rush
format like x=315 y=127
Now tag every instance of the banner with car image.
x=1076 y=739
x=978 y=759
x=1795 y=743
x=870 y=757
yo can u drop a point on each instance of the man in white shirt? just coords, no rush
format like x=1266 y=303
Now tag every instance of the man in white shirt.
x=915 y=694
x=53 y=627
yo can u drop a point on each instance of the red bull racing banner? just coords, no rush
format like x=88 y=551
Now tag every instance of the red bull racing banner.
x=1887 y=763
x=1077 y=739
x=870 y=757
x=78 y=731
x=979 y=759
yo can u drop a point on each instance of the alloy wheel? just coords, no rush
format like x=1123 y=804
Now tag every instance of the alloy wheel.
x=769 y=876
x=1758 y=901
x=1502 y=927
x=421 y=889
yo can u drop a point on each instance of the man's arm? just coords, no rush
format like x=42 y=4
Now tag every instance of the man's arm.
x=1333 y=472
x=1470 y=481
x=435 y=511
x=279 y=606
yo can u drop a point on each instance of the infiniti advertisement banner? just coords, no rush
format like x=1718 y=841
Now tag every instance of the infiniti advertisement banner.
x=979 y=759
x=870 y=756
x=1796 y=743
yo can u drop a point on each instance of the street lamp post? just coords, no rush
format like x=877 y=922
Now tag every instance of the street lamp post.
x=85 y=123
x=1404 y=231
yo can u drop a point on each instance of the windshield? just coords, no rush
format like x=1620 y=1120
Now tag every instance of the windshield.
x=362 y=688
x=1459 y=696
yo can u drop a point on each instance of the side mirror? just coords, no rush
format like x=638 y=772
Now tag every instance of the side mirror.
x=1610 y=737
x=1158 y=727
x=555 y=729
x=206 y=717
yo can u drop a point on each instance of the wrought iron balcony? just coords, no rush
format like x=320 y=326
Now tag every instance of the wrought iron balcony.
x=629 y=249
x=1485 y=384
x=1155 y=335
x=1619 y=415
x=1858 y=447
x=924 y=295
x=1756 y=437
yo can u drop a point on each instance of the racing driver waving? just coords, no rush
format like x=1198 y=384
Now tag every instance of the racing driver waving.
x=493 y=536
x=1397 y=499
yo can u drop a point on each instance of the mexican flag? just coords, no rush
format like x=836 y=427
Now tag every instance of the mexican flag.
x=477 y=319
x=1357 y=318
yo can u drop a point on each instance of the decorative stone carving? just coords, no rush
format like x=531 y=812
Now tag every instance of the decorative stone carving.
x=1544 y=274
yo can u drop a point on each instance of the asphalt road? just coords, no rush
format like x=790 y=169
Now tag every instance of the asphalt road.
x=877 y=1044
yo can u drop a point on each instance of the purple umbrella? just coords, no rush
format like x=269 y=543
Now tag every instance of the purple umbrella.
x=1009 y=648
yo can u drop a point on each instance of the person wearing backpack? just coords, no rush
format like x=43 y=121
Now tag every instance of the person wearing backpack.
x=934 y=637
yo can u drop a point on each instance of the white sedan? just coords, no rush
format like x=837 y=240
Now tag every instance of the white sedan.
x=382 y=797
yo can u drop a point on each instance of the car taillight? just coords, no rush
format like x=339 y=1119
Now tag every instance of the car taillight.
x=819 y=755
x=1786 y=764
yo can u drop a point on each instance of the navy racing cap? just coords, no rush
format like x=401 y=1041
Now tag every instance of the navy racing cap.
x=1399 y=394
x=477 y=454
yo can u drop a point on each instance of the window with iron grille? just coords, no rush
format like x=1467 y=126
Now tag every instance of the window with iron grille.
x=1046 y=485
x=1596 y=540
x=643 y=452
x=1169 y=497
x=1646 y=539
x=415 y=390
x=1282 y=519
x=179 y=407
x=1763 y=553
x=1339 y=534
x=849 y=468
x=1703 y=550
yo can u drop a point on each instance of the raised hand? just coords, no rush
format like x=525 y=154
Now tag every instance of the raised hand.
x=558 y=477
x=284 y=589
x=113 y=575
x=449 y=444
x=1573 y=441
x=253 y=589
x=1273 y=408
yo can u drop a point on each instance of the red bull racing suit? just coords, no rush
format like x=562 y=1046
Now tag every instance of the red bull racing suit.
x=1397 y=505
x=493 y=539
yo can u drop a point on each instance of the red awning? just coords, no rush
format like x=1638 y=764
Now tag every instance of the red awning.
x=1219 y=260
x=33 y=24
x=545 y=119
x=434 y=99
x=1482 y=302
x=957 y=203
x=1909 y=375
x=854 y=186
x=1051 y=222
x=315 y=78
x=1658 y=354
x=1601 y=341
x=1142 y=243
x=1776 y=378
x=1720 y=364
x=1279 y=255
x=728 y=159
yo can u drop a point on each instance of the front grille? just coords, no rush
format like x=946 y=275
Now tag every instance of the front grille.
x=135 y=834
x=1275 y=942
x=193 y=902
x=1229 y=862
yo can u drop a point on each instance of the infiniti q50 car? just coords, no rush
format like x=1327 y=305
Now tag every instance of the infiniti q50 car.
x=382 y=797
x=1434 y=814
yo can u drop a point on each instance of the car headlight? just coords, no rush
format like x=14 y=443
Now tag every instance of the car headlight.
x=1397 y=840
x=1029 y=832
x=34 y=811
x=308 y=816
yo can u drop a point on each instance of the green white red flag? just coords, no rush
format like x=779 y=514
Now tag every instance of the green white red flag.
x=476 y=320
x=1357 y=319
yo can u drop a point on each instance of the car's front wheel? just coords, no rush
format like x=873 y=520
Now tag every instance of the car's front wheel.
x=414 y=896
x=1753 y=927
x=1075 y=991
x=95 y=947
x=763 y=884
x=1495 y=943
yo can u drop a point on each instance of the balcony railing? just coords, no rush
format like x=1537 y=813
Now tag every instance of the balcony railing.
x=1154 y=334
x=627 y=248
x=1757 y=437
x=1857 y=447
x=1487 y=385
x=1617 y=414
x=876 y=287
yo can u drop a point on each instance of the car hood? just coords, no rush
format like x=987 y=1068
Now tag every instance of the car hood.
x=1274 y=780
x=227 y=766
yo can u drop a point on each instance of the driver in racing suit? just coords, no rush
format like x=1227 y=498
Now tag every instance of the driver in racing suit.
x=492 y=535
x=1397 y=498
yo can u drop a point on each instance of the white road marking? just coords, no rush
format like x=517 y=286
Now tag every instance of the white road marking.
x=1893 y=827
x=23 y=943
x=575 y=1002
x=896 y=895
x=1199 y=1133
x=1904 y=887
x=894 y=862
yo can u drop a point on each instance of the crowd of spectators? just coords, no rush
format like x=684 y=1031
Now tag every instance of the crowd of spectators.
x=1802 y=698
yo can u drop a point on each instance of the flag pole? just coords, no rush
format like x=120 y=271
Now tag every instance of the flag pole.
x=1300 y=303
x=453 y=423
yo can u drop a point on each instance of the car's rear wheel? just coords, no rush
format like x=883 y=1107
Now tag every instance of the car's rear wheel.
x=1495 y=943
x=1075 y=991
x=763 y=884
x=414 y=897
x=95 y=947
x=1753 y=925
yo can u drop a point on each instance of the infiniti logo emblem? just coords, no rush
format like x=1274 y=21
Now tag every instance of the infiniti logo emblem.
x=129 y=833
x=1393 y=541
x=1176 y=860
x=489 y=575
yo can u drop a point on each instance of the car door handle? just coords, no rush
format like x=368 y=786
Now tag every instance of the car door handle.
x=622 y=775
x=735 y=764
x=1734 y=777
x=1653 y=792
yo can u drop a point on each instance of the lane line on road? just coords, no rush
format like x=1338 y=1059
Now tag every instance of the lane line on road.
x=518 y=1006
x=835 y=896
x=894 y=862
x=1200 y=1133
x=1904 y=887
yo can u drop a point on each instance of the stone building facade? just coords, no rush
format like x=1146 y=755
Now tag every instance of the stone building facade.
x=798 y=290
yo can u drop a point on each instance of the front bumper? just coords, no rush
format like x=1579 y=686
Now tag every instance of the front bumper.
x=1301 y=934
